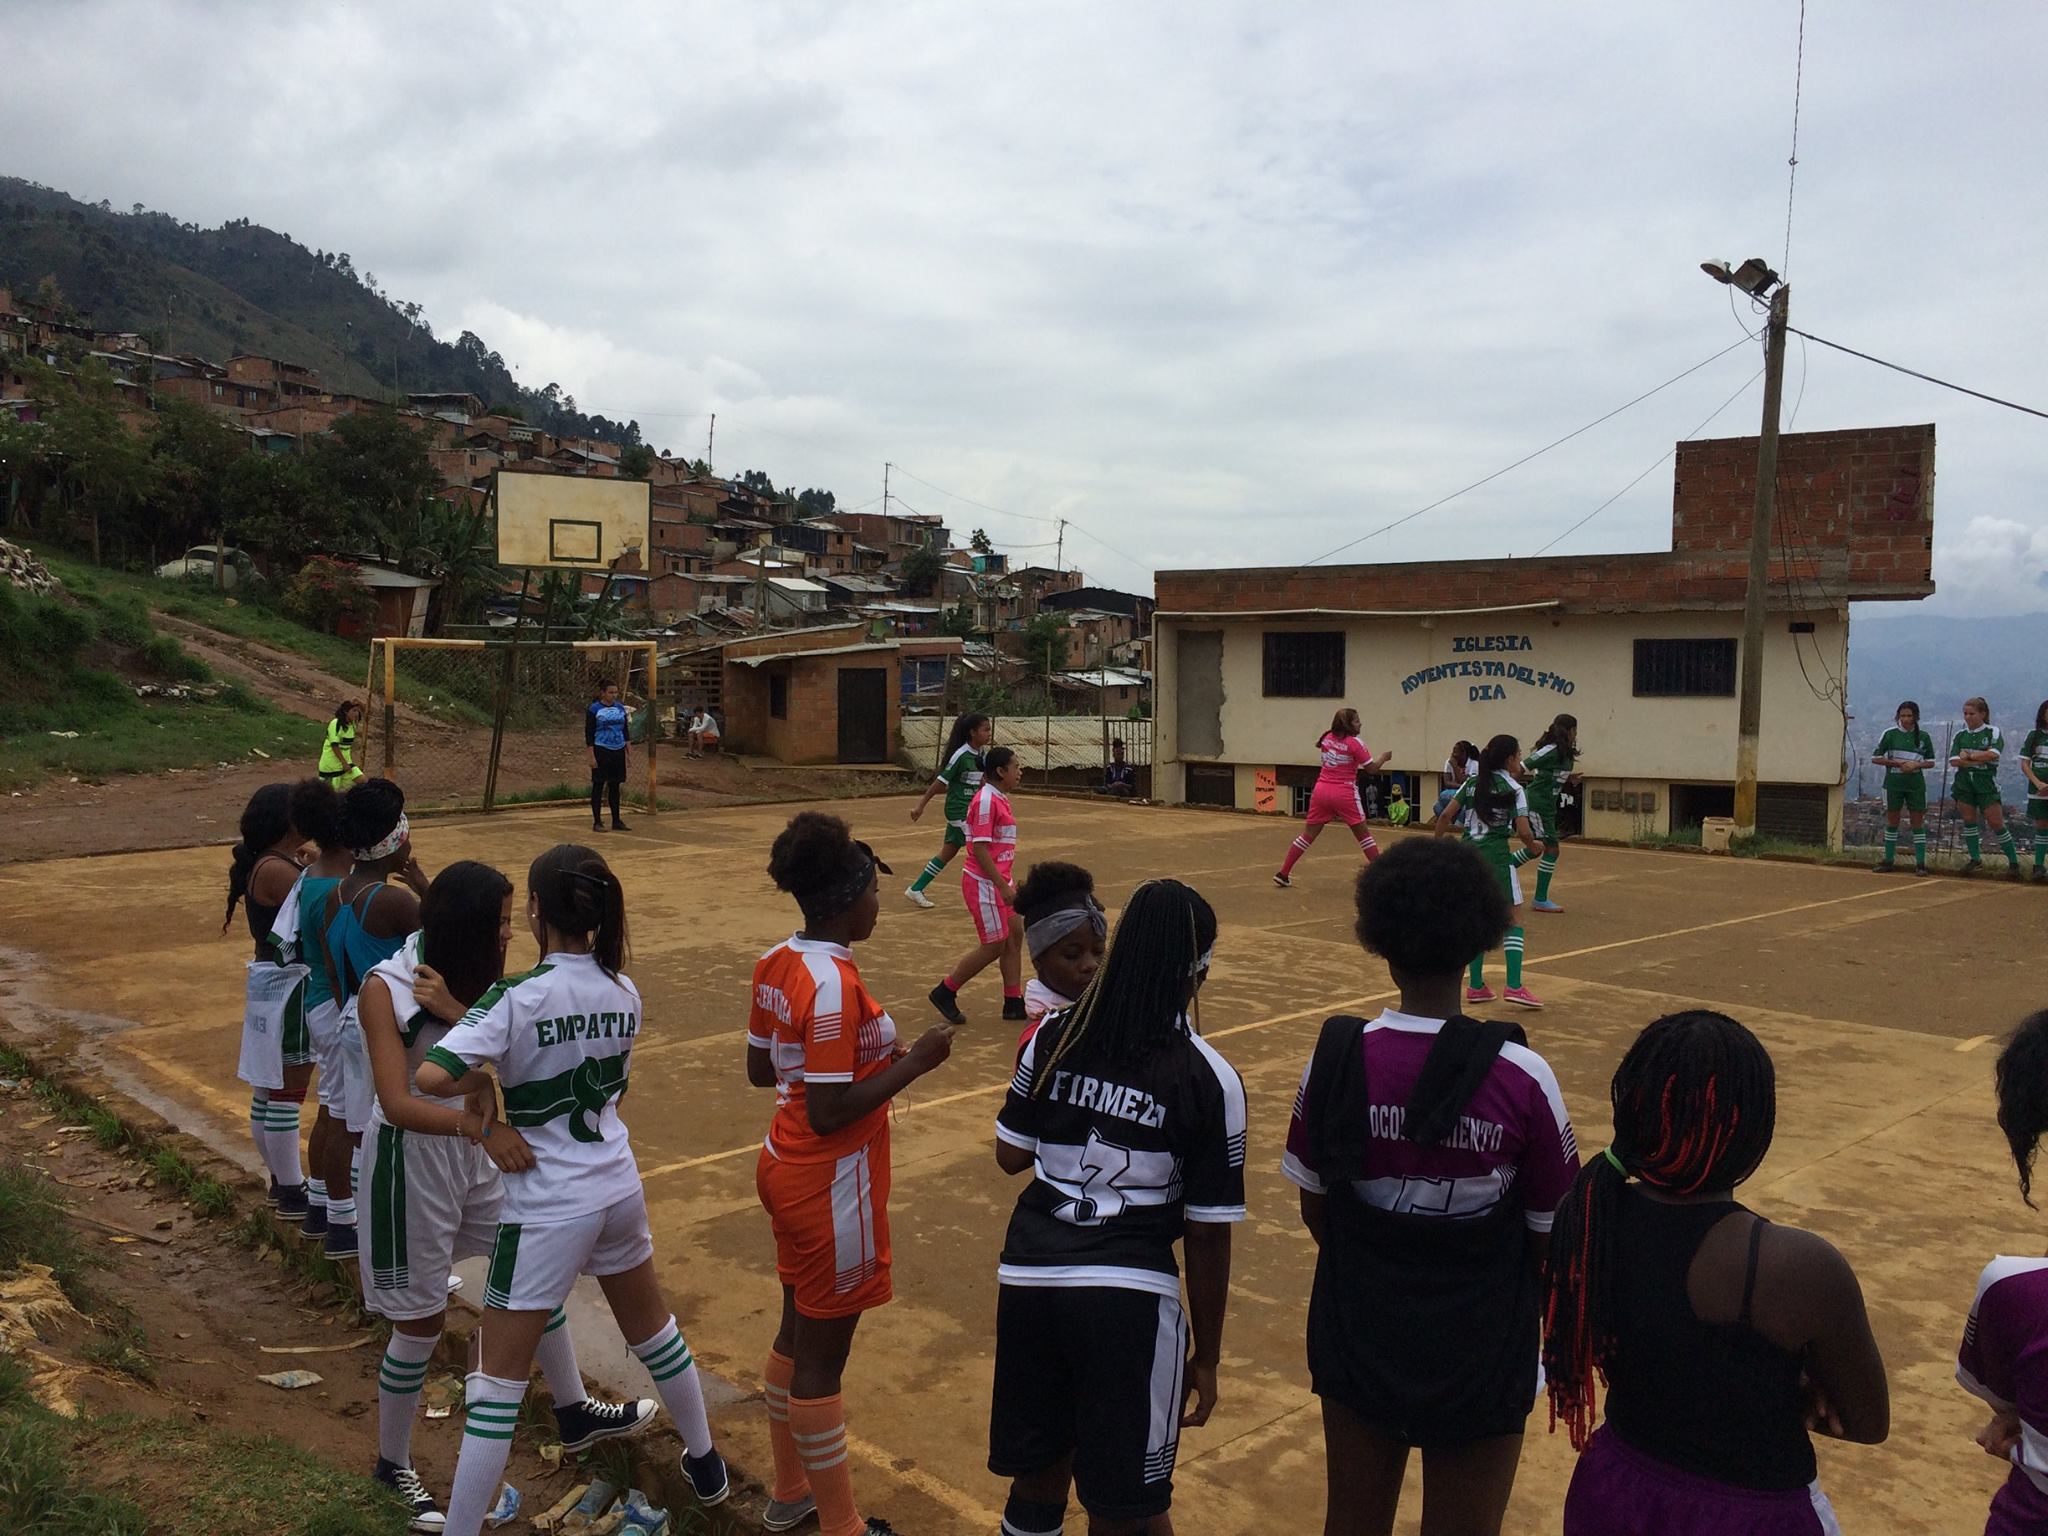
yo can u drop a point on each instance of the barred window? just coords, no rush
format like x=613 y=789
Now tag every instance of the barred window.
x=1685 y=669
x=1304 y=664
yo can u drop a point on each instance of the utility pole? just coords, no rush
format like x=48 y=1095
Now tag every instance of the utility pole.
x=710 y=438
x=885 y=488
x=1749 y=704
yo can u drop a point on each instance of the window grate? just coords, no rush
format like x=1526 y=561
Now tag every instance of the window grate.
x=1304 y=664
x=1685 y=669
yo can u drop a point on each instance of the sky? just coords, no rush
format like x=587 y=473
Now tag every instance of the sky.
x=1220 y=285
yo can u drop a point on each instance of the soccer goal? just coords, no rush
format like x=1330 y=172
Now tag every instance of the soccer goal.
x=489 y=722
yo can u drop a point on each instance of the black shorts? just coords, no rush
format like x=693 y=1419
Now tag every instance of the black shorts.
x=1094 y=1372
x=609 y=766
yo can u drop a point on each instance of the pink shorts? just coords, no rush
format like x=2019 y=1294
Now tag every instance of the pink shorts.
x=985 y=904
x=1335 y=802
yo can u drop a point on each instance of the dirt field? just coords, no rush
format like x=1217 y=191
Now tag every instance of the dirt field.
x=1880 y=1000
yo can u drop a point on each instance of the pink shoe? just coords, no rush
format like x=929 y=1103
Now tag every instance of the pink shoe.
x=1523 y=996
x=1479 y=994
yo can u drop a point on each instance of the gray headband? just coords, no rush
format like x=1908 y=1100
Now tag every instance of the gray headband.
x=1055 y=925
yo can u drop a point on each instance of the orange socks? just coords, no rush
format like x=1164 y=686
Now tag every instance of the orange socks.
x=818 y=1426
x=790 y=1482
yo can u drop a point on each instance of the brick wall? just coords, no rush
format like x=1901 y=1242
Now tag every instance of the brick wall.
x=1855 y=514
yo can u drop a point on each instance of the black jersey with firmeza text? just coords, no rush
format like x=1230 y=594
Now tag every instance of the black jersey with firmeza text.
x=1124 y=1157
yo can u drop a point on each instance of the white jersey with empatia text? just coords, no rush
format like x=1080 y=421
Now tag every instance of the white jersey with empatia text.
x=561 y=1037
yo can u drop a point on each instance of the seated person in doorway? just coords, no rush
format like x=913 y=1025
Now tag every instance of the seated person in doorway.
x=1119 y=778
x=704 y=733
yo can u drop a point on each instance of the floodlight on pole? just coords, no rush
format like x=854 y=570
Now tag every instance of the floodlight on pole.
x=1755 y=278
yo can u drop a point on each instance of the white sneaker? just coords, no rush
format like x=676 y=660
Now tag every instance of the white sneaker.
x=919 y=899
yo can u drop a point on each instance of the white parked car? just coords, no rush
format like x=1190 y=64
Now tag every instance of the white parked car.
x=197 y=564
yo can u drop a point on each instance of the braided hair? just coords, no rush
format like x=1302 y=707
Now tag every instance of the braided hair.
x=1493 y=761
x=266 y=820
x=1137 y=1000
x=2023 y=1095
x=579 y=895
x=1695 y=1104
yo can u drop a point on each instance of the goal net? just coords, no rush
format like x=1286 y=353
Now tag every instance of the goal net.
x=484 y=723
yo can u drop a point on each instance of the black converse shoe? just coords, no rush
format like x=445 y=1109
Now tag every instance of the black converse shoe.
x=947 y=1001
x=1013 y=1009
x=403 y=1481
x=780 y=1516
x=584 y=1424
x=708 y=1479
x=292 y=1204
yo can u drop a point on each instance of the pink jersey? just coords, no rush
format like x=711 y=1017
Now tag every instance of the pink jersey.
x=1514 y=1134
x=990 y=820
x=2004 y=1360
x=1344 y=758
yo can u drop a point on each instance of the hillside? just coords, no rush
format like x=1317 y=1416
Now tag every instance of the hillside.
x=245 y=288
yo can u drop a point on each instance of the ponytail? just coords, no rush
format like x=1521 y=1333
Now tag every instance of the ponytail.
x=580 y=897
x=266 y=820
x=1486 y=799
x=1695 y=1106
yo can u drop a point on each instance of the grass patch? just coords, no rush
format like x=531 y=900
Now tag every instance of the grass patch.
x=552 y=792
x=227 y=1485
x=119 y=733
x=124 y=1350
x=34 y=1229
x=1786 y=848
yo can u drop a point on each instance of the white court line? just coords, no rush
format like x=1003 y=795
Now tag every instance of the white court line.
x=988 y=1090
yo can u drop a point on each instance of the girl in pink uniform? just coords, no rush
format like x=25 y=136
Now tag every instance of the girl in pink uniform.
x=1344 y=757
x=986 y=887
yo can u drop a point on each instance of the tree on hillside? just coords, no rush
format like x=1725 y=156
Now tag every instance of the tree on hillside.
x=921 y=568
x=104 y=470
x=636 y=461
x=378 y=470
x=814 y=503
x=958 y=620
x=981 y=543
x=755 y=480
x=192 y=450
x=1045 y=640
x=274 y=503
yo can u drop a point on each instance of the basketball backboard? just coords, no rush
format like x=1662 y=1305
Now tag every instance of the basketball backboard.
x=570 y=521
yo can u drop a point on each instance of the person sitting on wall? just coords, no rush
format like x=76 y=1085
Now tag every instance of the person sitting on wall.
x=1119 y=778
x=704 y=732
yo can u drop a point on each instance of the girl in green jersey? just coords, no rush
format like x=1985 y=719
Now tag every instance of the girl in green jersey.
x=2034 y=764
x=1551 y=769
x=957 y=780
x=1905 y=753
x=1974 y=755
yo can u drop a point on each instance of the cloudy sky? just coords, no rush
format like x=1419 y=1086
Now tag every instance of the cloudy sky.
x=1220 y=284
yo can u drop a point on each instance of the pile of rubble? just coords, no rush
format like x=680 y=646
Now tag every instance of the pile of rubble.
x=22 y=569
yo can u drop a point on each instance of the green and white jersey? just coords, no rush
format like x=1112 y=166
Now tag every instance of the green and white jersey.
x=1901 y=743
x=561 y=1037
x=962 y=778
x=1979 y=776
x=1549 y=766
x=418 y=1030
x=1498 y=826
x=2036 y=753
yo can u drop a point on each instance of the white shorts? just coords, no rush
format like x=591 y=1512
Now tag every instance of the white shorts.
x=358 y=1088
x=323 y=1023
x=535 y=1264
x=426 y=1202
x=986 y=906
x=273 y=1024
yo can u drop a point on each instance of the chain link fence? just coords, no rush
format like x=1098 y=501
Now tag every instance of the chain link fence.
x=1069 y=751
x=481 y=723
x=1863 y=806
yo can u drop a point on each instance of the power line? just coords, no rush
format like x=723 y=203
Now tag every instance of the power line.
x=2011 y=405
x=1028 y=517
x=1667 y=453
x=1526 y=458
x=1792 y=163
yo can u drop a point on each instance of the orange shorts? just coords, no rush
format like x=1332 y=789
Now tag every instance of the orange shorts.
x=831 y=1224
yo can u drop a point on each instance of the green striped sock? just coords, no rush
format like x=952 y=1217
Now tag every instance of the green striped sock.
x=931 y=873
x=1920 y=847
x=1475 y=976
x=1973 y=841
x=2040 y=849
x=2008 y=847
x=1891 y=843
x=1544 y=871
x=1514 y=949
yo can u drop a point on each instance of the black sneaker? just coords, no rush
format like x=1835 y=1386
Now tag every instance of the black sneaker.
x=1975 y=866
x=947 y=1001
x=426 y=1516
x=1283 y=882
x=1883 y=867
x=1013 y=1008
x=877 y=1526
x=708 y=1479
x=271 y=1195
x=314 y=1227
x=2040 y=875
x=1920 y=869
x=596 y=825
x=292 y=1204
x=618 y=825
x=584 y=1424
x=340 y=1243
x=2014 y=872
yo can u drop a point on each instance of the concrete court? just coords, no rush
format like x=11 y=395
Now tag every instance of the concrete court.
x=1880 y=998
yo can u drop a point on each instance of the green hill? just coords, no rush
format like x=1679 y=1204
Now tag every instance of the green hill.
x=244 y=288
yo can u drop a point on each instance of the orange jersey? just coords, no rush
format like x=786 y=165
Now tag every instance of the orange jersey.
x=819 y=1024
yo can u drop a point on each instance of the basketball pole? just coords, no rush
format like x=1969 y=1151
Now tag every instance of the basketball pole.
x=503 y=702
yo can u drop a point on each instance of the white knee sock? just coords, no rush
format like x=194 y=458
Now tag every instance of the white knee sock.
x=556 y=1357
x=486 y=1443
x=274 y=1127
x=669 y=1362
x=399 y=1381
x=341 y=1213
